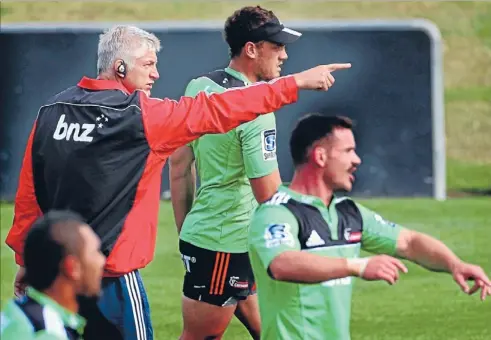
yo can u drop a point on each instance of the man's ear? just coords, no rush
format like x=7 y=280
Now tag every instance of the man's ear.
x=120 y=68
x=250 y=49
x=319 y=156
x=71 y=267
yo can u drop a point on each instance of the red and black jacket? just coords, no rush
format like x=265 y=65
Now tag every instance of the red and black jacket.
x=99 y=150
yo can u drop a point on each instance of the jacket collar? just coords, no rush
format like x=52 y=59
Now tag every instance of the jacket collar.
x=101 y=84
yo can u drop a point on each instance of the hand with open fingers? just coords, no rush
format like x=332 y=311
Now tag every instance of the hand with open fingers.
x=462 y=272
x=319 y=77
x=380 y=267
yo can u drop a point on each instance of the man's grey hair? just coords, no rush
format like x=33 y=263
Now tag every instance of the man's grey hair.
x=125 y=43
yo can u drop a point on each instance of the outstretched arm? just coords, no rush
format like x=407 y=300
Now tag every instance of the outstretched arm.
x=382 y=236
x=171 y=124
x=436 y=256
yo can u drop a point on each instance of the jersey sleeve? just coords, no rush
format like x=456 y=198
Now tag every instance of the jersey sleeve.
x=273 y=230
x=379 y=235
x=258 y=142
x=170 y=124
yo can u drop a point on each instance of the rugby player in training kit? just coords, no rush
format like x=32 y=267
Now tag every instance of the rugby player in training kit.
x=304 y=243
x=236 y=169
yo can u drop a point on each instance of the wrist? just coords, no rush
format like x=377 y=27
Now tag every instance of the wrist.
x=298 y=80
x=452 y=264
x=357 y=266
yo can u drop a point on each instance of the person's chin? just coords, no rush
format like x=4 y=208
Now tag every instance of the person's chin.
x=93 y=294
x=348 y=186
x=98 y=292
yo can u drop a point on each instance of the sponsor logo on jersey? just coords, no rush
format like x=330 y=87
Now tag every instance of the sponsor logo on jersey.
x=73 y=132
x=276 y=235
x=268 y=138
x=314 y=240
x=354 y=236
x=77 y=132
x=234 y=282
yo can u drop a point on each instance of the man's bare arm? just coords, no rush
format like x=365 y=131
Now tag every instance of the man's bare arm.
x=436 y=256
x=303 y=267
x=426 y=251
x=182 y=174
x=265 y=187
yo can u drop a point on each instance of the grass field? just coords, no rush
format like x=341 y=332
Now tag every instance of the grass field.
x=423 y=305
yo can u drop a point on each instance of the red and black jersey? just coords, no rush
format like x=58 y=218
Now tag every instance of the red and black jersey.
x=99 y=150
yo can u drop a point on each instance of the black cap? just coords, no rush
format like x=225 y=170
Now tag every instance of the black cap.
x=274 y=31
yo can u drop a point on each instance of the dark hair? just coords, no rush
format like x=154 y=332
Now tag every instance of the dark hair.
x=310 y=129
x=239 y=25
x=46 y=247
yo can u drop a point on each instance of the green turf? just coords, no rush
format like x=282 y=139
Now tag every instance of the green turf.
x=465 y=27
x=469 y=178
x=423 y=305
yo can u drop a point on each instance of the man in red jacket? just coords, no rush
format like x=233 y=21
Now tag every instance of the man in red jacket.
x=98 y=148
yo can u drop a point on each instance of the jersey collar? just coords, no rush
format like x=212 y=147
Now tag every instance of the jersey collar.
x=307 y=199
x=71 y=320
x=101 y=84
x=238 y=75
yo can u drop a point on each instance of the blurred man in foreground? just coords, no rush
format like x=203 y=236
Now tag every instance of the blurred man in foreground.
x=236 y=170
x=98 y=148
x=305 y=242
x=63 y=263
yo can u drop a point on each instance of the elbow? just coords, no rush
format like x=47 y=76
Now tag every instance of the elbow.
x=178 y=170
x=277 y=269
x=404 y=243
x=175 y=174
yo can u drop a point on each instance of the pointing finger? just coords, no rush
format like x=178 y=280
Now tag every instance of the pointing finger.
x=335 y=67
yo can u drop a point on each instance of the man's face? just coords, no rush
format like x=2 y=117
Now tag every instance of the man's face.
x=144 y=72
x=91 y=263
x=341 y=159
x=269 y=60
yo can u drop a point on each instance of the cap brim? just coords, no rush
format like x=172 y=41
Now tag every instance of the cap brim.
x=285 y=36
